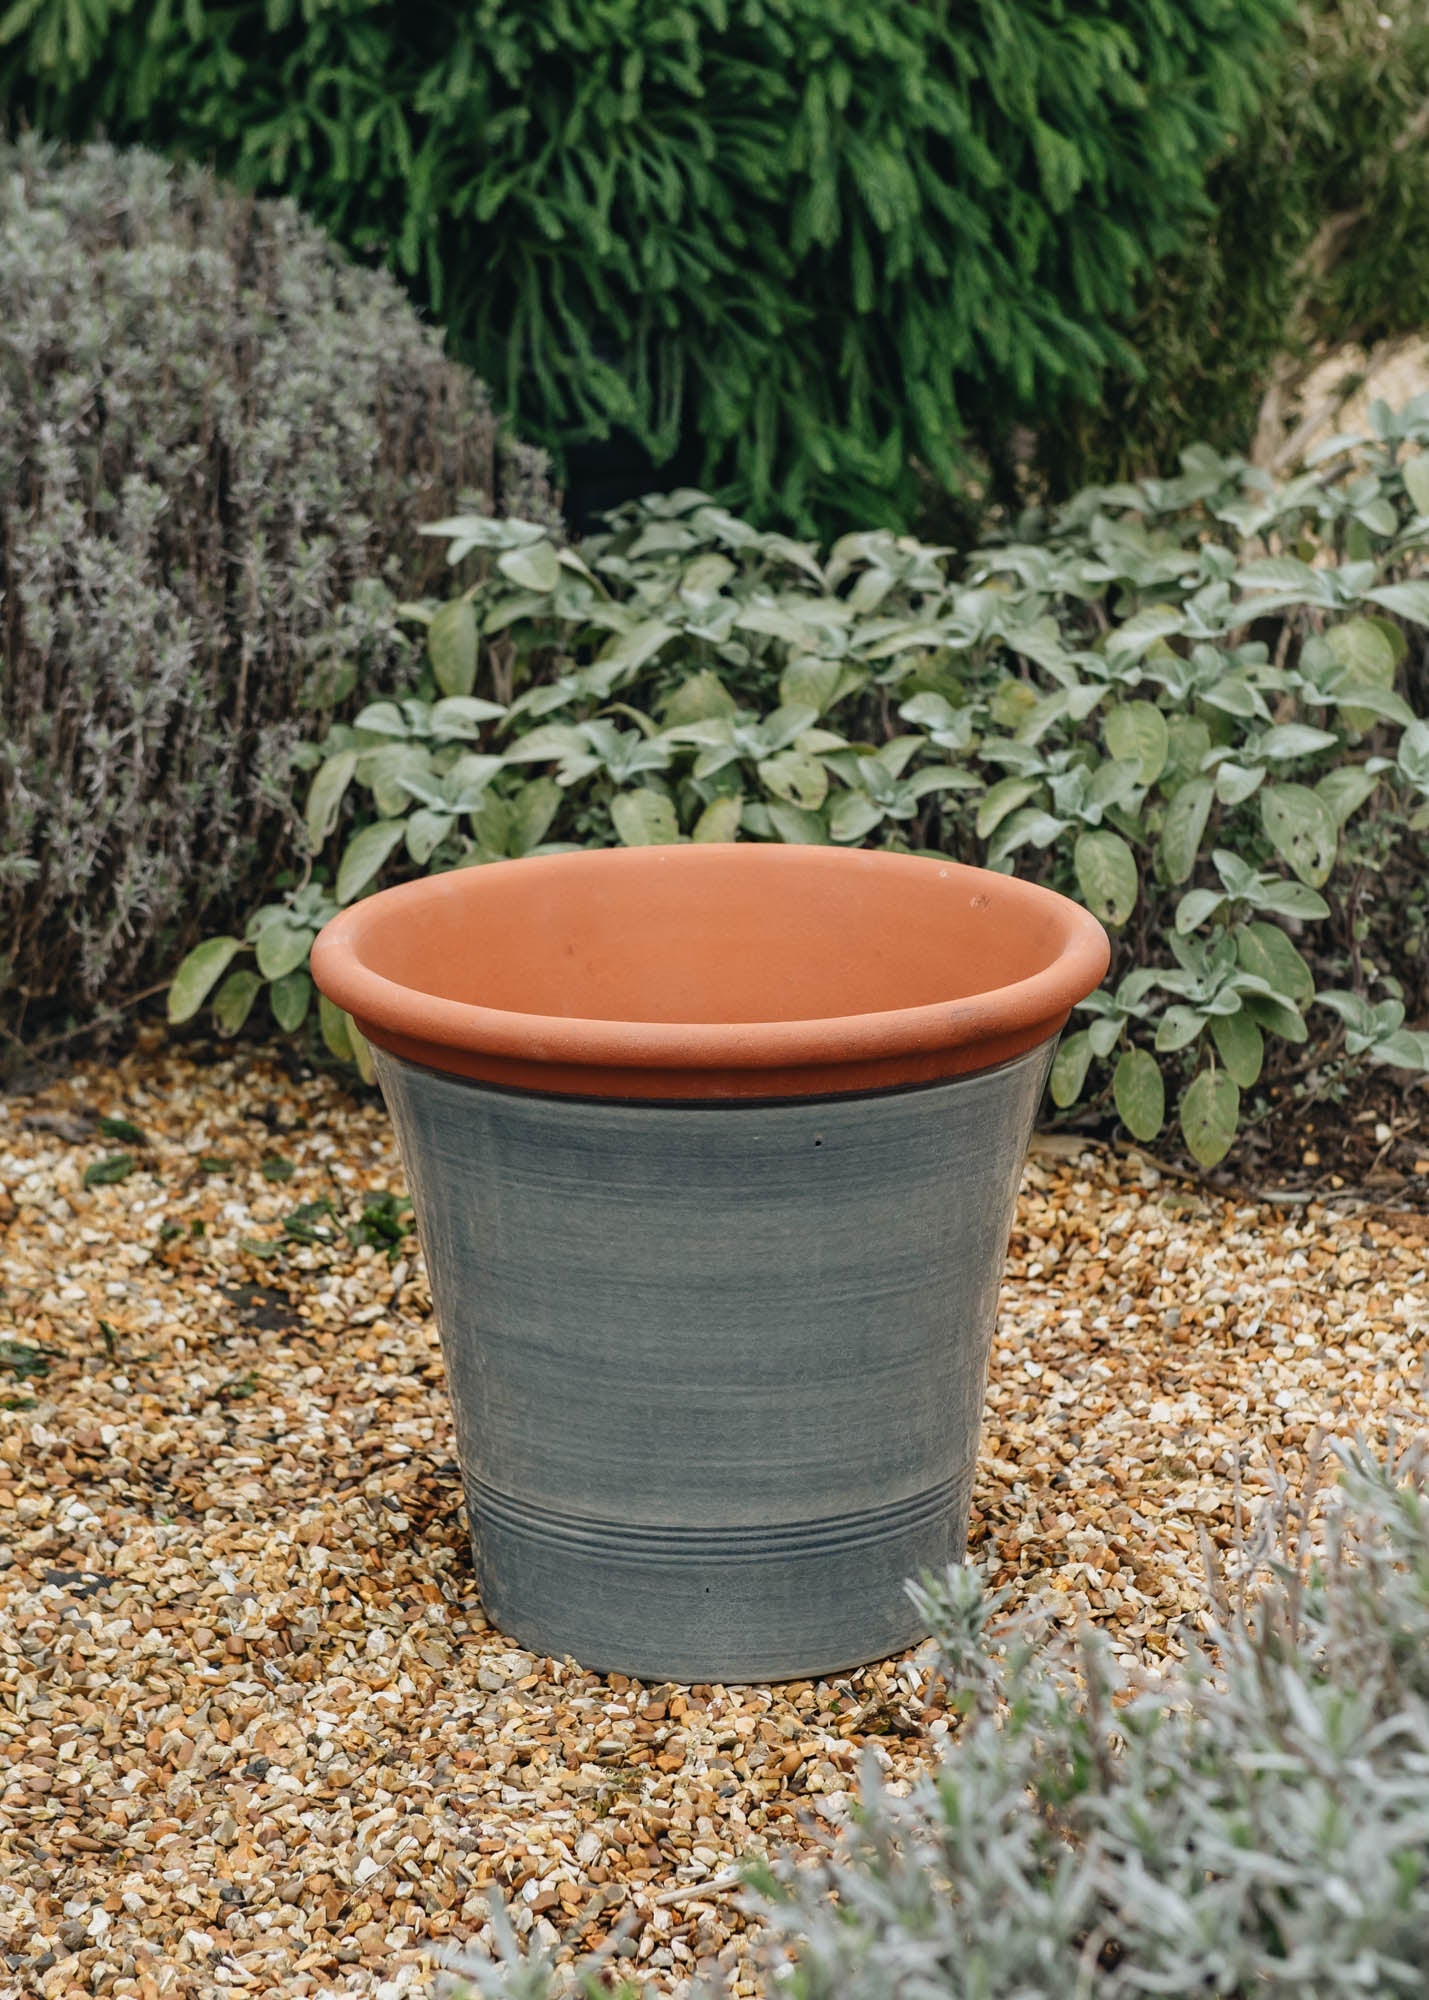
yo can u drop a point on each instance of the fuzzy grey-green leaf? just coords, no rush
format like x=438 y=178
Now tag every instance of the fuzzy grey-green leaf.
x=199 y=973
x=1136 y=730
x=452 y=646
x=719 y=820
x=281 y=948
x=290 y=998
x=1069 y=1068
x=1302 y=830
x=325 y=795
x=534 y=567
x=334 y=1023
x=644 y=818
x=1240 y=1046
x=233 y=1001
x=365 y=855
x=1183 y=826
x=1139 y=1093
x=1106 y=875
x=1210 y=1111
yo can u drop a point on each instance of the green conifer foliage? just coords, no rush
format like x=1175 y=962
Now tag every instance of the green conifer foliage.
x=1317 y=237
x=825 y=239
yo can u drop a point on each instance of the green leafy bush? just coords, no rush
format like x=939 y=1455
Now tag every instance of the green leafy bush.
x=1199 y=704
x=1317 y=236
x=213 y=431
x=817 y=237
x=1255 y=1829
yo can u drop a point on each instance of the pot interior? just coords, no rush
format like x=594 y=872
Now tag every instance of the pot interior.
x=713 y=935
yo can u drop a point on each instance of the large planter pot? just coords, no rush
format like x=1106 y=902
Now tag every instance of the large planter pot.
x=713 y=1151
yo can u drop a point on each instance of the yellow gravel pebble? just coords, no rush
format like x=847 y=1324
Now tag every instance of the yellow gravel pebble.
x=257 y=1734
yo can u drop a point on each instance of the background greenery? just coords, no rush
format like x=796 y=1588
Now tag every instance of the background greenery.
x=1317 y=236
x=821 y=241
x=1197 y=704
x=213 y=432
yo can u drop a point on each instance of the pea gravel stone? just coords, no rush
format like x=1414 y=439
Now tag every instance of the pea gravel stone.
x=256 y=1734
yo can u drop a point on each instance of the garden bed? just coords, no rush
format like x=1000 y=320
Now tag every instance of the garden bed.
x=263 y=1737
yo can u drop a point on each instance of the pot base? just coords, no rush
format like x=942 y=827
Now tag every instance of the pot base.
x=705 y=1604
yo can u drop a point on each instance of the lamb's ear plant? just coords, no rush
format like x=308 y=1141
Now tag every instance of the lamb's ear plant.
x=1193 y=703
x=1256 y=1825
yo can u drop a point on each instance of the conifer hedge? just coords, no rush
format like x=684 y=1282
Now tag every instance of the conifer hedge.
x=1317 y=237
x=823 y=239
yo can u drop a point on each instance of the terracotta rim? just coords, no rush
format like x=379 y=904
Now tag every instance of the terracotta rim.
x=684 y=1060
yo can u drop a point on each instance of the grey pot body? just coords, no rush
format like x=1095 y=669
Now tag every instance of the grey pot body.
x=717 y=1369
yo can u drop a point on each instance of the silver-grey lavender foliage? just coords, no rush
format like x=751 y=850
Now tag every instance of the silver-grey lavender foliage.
x=1257 y=1827
x=213 y=431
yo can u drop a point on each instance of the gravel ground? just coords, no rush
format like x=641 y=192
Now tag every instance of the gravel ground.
x=258 y=1734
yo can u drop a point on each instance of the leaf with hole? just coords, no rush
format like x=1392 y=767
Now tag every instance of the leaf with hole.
x=1178 y=1028
x=1301 y=829
x=1106 y=876
x=796 y=778
x=1195 y=907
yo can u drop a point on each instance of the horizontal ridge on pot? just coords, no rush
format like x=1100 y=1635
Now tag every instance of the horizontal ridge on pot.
x=706 y=972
